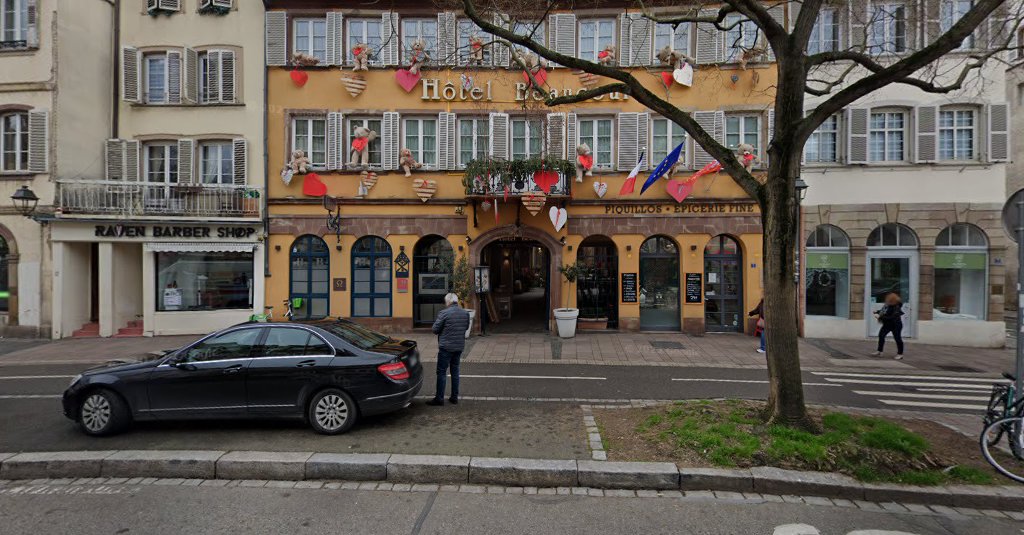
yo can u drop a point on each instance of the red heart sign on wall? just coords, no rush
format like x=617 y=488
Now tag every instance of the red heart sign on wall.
x=312 y=186
x=299 y=78
x=545 y=179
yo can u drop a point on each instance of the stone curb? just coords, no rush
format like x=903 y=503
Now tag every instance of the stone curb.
x=446 y=469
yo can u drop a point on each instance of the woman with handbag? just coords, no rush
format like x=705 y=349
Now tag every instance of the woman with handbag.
x=759 y=312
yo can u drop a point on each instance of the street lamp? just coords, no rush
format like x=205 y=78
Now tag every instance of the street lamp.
x=25 y=201
x=801 y=189
x=482 y=283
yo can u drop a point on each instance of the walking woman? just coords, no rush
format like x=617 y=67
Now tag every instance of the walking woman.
x=891 y=318
x=759 y=331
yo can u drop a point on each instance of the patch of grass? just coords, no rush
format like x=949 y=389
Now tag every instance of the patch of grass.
x=970 y=475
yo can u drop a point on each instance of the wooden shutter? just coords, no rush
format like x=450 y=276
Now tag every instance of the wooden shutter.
x=499 y=135
x=927 y=133
x=710 y=42
x=151 y=5
x=174 y=79
x=447 y=39
x=627 y=140
x=501 y=54
x=389 y=40
x=170 y=5
x=571 y=135
x=214 y=59
x=186 y=159
x=222 y=3
x=132 y=171
x=932 y=20
x=335 y=41
x=335 y=140
x=625 y=50
x=771 y=135
x=998 y=133
x=778 y=12
x=643 y=134
x=38 y=141
x=562 y=33
x=32 y=23
x=227 y=76
x=113 y=159
x=190 y=92
x=713 y=122
x=276 y=47
x=446 y=133
x=389 y=140
x=641 y=36
x=857 y=135
x=857 y=22
x=240 y=151
x=556 y=135
x=130 y=60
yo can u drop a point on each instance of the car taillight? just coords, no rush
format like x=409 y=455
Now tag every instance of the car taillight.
x=394 y=370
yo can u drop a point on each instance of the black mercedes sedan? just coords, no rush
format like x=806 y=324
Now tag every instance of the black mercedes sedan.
x=328 y=373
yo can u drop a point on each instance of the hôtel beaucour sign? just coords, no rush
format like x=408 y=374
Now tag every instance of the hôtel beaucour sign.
x=433 y=89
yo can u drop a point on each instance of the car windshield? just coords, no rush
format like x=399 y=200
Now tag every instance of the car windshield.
x=356 y=334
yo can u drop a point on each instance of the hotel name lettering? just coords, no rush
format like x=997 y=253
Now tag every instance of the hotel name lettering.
x=687 y=208
x=433 y=89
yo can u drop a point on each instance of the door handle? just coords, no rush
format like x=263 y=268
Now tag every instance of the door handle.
x=233 y=369
x=306 y=364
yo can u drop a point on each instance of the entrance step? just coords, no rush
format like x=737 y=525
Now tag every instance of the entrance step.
x=134 y=328
x=89 y=330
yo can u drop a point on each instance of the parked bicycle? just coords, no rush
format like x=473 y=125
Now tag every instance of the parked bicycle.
x=1004 y=418
x=268 y=315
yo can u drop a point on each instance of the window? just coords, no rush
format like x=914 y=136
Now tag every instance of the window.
x=595 y=35
x=887 y=32
x=892 y=235
x=161 y=162
x=827 y=276
x=309 y=134
x=1019 y=53
x=822 y=145
x=311 y=38
x=956 y=134
x=741 y=129
x=157 y=67
x=371 y=278
x=825 y=33
x=216 y=162
x=740 y=36
x=14 y=22
x=5 y=281
x=527 y=138
x=309 y=277
x=536 y=29
x=231 y=345
x=886 y=134
x=598 y=134
x=373 y=146
x=415 y=29
x=204 y=281
x=950 y=12
x=356 y=334
x=365 y=31
x=467 y=29
x=421 y=139
x=678 y=39
x=293 y=342
x=665 y=136
x=216 y=69
x=14 y=142
x=473 y=139
x=961 y=272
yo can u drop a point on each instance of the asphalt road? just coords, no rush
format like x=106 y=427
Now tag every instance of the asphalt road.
x=215 y=510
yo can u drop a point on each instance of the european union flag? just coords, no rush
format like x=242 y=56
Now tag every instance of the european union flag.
x=663 y=167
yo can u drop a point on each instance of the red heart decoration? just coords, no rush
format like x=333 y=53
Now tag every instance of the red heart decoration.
x=679 y=189
x=541 y=76
x=299 y=77
x=666 y=78
x=407 y=79
x=312 y=186
x=545 y=179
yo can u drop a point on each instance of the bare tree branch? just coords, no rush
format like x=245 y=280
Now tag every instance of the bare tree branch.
x=588 y=94
x=756 y=12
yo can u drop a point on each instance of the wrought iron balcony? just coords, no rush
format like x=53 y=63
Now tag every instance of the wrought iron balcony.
x=495 y=177
x=112 y=197
x=495 y=187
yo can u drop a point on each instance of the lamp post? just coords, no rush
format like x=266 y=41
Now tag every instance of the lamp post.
x=25 y=200
x=800 y=187
x=482 y=284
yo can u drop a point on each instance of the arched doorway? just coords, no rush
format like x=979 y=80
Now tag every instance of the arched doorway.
x=432 y=264
x=309 y=277
x=659 y=285
x=827 y=272
x=597 y=290
x=893 y=265
x=520 y=285
x=371 y=278
x=723 y=285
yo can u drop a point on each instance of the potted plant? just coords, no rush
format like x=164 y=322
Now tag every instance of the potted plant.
x=462 y=286
x=565 y=318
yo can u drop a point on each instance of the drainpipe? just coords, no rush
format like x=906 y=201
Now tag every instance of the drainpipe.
x=115 y=117
x=266 y=163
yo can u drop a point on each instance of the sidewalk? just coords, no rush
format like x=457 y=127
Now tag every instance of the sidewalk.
x=620 y=349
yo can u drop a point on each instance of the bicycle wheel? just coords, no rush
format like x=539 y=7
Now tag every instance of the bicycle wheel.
x=996 y=409
x=1006 y=458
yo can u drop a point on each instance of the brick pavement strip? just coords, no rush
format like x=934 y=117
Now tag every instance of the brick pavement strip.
x=162 y=463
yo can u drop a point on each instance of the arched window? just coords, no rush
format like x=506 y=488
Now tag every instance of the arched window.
x=371 y=278
x=827 y=272
x=892 y=235
x=659 y=284
x=961 y=273
x=5 y=289
x=310 y=277
x=721 y=245
x=432 y=263
x=723 y=285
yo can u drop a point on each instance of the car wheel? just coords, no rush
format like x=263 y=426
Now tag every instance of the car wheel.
x=331 y=412
x=102 y=412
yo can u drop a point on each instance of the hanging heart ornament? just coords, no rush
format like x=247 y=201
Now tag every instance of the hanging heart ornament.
x=558 y=217
x=683 y=75
x=534 y=202
x=424 y=188
x=666 y=78
x=312 y=186
x=407 y=79
x=600 y=188
x=679 y=189
x=354 y=83
x=369 y=179
x=299 y=78
x=545 y=179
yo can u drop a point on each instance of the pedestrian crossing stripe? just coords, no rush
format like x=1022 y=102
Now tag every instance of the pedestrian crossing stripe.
x=933 y=405
x=919 y=396
x=924 y=377
x=908 y=383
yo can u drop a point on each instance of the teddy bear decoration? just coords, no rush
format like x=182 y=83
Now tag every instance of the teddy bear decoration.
x=304 y=60
x=745 y=153
x=418 y=56
x=298 y=165
x=606 y=57
x=407 y=162
x=673 y=58
x=361 y=57
x=584 y=162
x=360 y=153
x=476 y=50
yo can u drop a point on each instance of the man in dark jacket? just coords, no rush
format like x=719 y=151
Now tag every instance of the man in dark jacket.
x=450 y=327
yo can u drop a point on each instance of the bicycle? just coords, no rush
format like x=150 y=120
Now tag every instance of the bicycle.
x=1003 y=403
x=1004 y=417
x=289 y=313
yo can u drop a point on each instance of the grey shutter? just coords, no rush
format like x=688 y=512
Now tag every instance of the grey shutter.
x=627 y=140
x=710 y=42
x=857 y=22
x=32 y=23
x=389 y=40
x=130 y=60
x=190 y=91
x=227 y=76
x=173 y=77
x=335 y=140
x=857 y=135
x=213 y=79
x=240 y=152
x=131 y=160
x=151 y=5
x=447 y=39
x=499 y=135
x=186 y=161
x=170 y=5
x=778 y=12
x=932 y=20
x=556 y=135
x=562 y=32
x=625 y=51
x=38 y=141
x=113 y=156
x=713 y=122
x=927 y=133
x=335 y=42
x=998 y=133
x=571 y=135
x=771 y=135
x=446 y=135
x=276 y=47
x=389 y=142
x=641 y=36
x=222 y=3
x=643 y=126
x=501 y=54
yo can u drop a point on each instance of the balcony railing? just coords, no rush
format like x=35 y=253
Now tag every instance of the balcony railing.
x=495 y=187
x=491 y=176
x=112 y=197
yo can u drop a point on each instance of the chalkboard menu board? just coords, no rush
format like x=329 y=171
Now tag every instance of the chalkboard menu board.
x=629 y=287
x=693 y=288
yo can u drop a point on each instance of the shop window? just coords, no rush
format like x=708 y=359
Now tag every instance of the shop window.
x=597 y=288
x=14 y=142
x=420 y=29
x=892 y=235
x=825 y=33
x=597 y=133
x=723 y=285
x=742 y=35
x=741 y=129
x=309 y=277
x=677 y=36
x=961 y=272
x=14 y=23
x=5 y=284
x=421 y=139
x=659 y=284
x=364 y=31
x=216 y=162
x=309 y=134
x=887 y=132
x=665 y=136
x=823 y=144
x=161 y=162
x=827 y=272
x=188 y=281
x=467 y=29
x=887 y=28
x=374 y=124
x=474 y=139
x=433 y=263
x=595 y=35
x=310 y=38
x=371 y=278
x=527 y=138
x=957 y=134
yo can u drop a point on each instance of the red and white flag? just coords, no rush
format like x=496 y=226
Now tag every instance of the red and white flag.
x=630 y=183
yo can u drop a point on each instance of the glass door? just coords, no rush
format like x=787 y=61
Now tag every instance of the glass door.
x=723 y=286
x=891 y=271
x=659 y=285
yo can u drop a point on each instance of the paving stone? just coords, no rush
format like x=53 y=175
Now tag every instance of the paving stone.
x=599 y=455
x=769 y=480
x=371 y=485
x=348 y=485
x=522 y=472
x=428 y=469
x=170 y=481
x=1016 y=515
x=969 y=511
x=564 y=491
x=917 y=508
x=147 y=481
x=385 y=486
x=890 y=492
x=472 y=489
x=817 y=500
x=547 y=491
x=495 y=489
x=868 y=506
x=670 y=494
x=348 y=466
x=530 y=490
x=728 y=495
x=67 y=481
x=82 y=481
x=993 y=513
x=513 y=490
x=628 y=475
x=162 y=463
x=716 y=479
x=987 y=497
x=425 y=487
x=579 y=491
x=309 y=484
x=700 y=494
x=253 y=483
x=214 y=483
x=402 y=487
x=336 y=485
x=893 y=507
x=283 y=465
x=449 y=488
x=135 y=481
x=620 y=493
x=595 y=492
x=751 y=496
x=771 y=498
x=790 y=498
x=280 y=484
x=76 y=464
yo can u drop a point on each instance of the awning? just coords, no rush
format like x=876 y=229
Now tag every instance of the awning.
x=199 y=247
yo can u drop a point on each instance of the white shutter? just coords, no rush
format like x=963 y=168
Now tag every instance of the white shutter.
x=446 y=135
x=335 y=140
x=173 y=77
x=713 y=122
x=389 y=40
x=227 y=76
x=151 y=5
x=335 y=41
x=389 y=140
x=857 y=135
x=778 y=12
x=214 y=60
x=186 y=161
x=643 y=126
x=571 y=135
x=130 y=164
x=627 y=140
x=710 y=43
x=130 y=60
x=771 y=135
x=556 y=135
x=625 y=51
x=562 y=32
x=857 y=22
x=500 y=52
x=499 y=135
x=38 y=141
x=32 y=23
x=636 y=34
x=113 y=156
x=447 y=39
x=927 y=133
x=998 y=133
x=222 y=3
x=190 y=91
x=276 y=38
x=241 y=155
x=170 y=5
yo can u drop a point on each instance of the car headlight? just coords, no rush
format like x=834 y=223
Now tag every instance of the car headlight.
x=74 y=380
